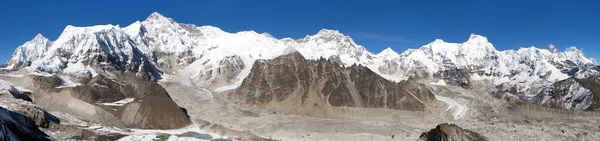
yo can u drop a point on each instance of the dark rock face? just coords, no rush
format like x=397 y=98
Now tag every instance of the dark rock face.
x=457 y=77
x=326 y=83
x=581 y=92
x=453 y=75
x=225 y=71
x=15 y=127
x=450 y=132
x=592 y=83
x=566 y=94
x=46 y=83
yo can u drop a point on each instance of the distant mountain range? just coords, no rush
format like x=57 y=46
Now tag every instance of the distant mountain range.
x=210 y=57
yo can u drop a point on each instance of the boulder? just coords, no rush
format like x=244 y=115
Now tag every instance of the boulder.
x=450 y=132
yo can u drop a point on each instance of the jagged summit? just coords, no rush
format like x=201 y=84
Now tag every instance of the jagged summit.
x=329 y=33
x=551 y=48
x=573 y=49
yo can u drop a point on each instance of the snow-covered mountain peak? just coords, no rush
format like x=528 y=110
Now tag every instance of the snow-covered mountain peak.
x=157 y=17
x=477 y=39
x=134 y=29
x=248 y=32
x=208 y=55
x=38 y=41
x=329 y=33
x=29 y=51
x=573 y=49
x=573 y=53
x=39 y=37
x=327 y=43
x=387 y=52
x=438 y=41
x=551 y=48
x=267 y=35
x=210 y=28
x=211 y=31
x=70 y=30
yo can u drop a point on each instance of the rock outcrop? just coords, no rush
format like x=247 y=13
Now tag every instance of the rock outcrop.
x=149 y=105
x=567 y=94
x=18 y=101
x=16 y=127
x=119 y=100
x=451 y=132
x=19 y=116
x=291 y=80
x=579 y=92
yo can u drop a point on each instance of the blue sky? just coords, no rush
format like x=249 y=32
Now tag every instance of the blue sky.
x=376 y=24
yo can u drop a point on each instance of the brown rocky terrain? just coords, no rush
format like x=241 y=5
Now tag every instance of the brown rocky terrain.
x=592 y=84
x=450 y=132
x=150 y=106
x=292 y=80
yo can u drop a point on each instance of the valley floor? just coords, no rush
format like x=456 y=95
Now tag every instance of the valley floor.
x=472 y=109
x=215 y=115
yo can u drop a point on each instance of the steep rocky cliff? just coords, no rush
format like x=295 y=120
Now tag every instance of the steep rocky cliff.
x=292 y=80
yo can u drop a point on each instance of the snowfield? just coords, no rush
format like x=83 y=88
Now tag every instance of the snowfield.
x=120 y=102
x=441 y=83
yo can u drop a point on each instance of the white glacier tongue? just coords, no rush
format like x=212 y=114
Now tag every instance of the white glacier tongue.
x=209 y=56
